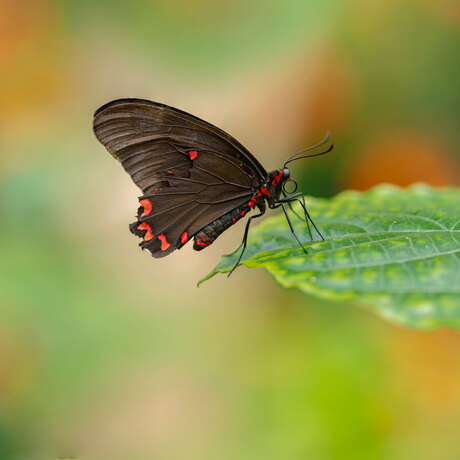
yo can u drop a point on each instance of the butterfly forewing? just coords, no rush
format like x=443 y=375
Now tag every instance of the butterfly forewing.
x=190 y=172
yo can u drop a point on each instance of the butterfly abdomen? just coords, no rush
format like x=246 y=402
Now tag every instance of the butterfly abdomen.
x=207 y=235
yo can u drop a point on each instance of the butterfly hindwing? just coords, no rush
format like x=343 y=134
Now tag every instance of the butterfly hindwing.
x=191 y=172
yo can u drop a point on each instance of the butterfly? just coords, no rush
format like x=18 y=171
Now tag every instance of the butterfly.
x=196 y=180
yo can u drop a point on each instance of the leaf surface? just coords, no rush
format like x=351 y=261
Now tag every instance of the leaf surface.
x=394 y=250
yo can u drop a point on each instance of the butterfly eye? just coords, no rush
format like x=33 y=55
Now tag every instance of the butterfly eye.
x=286 y=174
x=290 y=189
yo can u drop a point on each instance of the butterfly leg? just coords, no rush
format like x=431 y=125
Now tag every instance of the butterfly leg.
x=281 y=203
x=289 y=204
x=308 y=218
x=304 y=206
x=295 y=197
x=245 y=240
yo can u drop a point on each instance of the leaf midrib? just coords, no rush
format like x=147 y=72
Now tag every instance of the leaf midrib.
x=378 y=263
x=441 y=227
x=261 y=255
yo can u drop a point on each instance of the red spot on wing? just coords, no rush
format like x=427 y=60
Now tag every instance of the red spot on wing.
x=200 y=243
x=243 y=213
x=234 y=221
x=193 y=154
x=144 y=226
x=147 y=205
x=170 y=172
x=184 y=237
x=164 y=244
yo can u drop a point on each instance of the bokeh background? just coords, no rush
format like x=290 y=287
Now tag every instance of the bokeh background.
x=106 y=353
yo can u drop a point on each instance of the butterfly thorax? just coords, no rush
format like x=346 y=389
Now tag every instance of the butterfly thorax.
x=274 y=185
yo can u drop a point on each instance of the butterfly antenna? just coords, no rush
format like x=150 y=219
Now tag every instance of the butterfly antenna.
x=310 y=156
x=319 y=144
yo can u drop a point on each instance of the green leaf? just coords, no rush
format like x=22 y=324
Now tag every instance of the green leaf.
x=394 y=250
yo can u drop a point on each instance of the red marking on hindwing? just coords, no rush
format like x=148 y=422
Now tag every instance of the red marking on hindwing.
x=170 y=172
x=147 y=205
x=234 y=221
x=193 y=154
x=144 y=226
x=243 y=213
x=184 y=237
x=200 y=243
x=164 y=244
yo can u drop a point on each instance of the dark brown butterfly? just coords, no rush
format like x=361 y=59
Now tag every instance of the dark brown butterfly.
x=196 y=179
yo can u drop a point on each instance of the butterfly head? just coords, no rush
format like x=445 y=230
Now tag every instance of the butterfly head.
x=281 y=181
x=275 y=184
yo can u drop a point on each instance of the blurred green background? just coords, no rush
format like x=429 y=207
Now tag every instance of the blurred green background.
x=106 y=353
